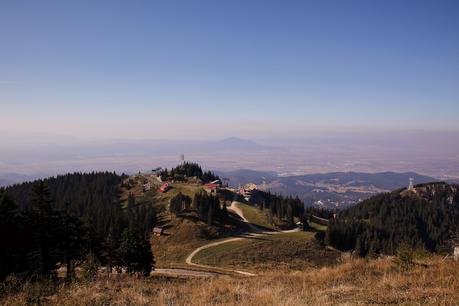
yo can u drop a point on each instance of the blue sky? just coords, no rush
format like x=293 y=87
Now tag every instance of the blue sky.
x=199 y=69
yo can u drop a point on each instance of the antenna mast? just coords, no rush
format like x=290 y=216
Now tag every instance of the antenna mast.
x=411 y=186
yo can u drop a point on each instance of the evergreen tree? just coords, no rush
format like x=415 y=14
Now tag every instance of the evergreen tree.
x=290 y=214
x=224 y=212
x=135 y=253
x=12 y=242
x=210 y=214
x=71 y=241
x=44 y=224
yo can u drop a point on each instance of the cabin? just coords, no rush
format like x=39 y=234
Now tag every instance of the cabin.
x=158 y=231
x=164 y=187
x=211 y=188
x=157 y=170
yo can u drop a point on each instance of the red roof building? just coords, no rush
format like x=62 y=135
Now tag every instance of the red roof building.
x=164 y=187
x=211 y=188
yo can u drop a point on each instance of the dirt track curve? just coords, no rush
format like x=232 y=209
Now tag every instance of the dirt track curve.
x=255 y=232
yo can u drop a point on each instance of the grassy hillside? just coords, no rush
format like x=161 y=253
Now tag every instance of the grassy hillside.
x=288 y=251
x=255 y=216
x=357 y=282
x=185 y=233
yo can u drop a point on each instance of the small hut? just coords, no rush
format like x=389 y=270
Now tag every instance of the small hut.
x=211 y=188
x=157 y=231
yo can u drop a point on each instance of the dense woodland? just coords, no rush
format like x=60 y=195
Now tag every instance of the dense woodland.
x=188 y=170
x=74 y=219
x=427 y=219
x=208 y=207
x=283 y=208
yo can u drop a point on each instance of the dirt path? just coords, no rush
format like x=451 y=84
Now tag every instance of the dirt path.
x=184 y=272
x=238 y=211
x=190 y=257
x=255 y=232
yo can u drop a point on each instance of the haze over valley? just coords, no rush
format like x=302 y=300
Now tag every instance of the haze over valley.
x=427 y=153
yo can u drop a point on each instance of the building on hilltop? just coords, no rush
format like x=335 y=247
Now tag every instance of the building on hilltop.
x=157 y=231
x=211 y=188
x=164 y=187
x=411 y=185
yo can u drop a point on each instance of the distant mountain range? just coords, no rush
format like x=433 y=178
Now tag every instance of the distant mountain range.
x=330 y=190
x=7 y=179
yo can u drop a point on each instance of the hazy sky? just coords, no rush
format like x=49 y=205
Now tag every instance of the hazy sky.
x=196 y=69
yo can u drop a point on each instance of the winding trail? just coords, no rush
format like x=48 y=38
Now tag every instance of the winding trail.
x=255 y=232
x=190 y=257
x=184 y=272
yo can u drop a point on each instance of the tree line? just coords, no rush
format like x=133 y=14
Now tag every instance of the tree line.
x=72 y=220
x=283 y=208
x=207 y=206
x=188 y=170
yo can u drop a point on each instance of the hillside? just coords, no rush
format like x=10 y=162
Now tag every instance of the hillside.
x=426 y=217
x=273 y=252
x=274 y=267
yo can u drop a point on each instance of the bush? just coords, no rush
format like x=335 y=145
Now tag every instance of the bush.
x=405 y=255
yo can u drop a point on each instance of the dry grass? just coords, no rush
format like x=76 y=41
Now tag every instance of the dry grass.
x=355 y=282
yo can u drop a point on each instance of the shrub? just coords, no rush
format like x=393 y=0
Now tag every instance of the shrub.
x=405 y=255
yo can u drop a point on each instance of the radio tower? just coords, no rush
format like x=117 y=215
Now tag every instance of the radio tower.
x=182 y=158
x=411 y=186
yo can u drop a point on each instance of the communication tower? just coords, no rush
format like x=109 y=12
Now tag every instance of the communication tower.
x=411 y=185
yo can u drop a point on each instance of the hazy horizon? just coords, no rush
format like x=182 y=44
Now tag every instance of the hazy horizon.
x=329 y=86
x=364 y=152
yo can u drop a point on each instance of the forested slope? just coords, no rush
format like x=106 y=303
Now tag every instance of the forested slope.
x=427 y=217
x=67 y=218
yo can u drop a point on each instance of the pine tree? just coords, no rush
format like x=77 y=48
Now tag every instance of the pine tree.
x=210 y=214
x=135 y=253
x=224 y=212
x=44 y=222
x=12 y=240
x=290 y=214
x=72 y=240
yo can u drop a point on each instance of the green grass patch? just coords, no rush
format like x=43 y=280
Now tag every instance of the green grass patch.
x=255 y=216
x=318 y=227
x=297 y=251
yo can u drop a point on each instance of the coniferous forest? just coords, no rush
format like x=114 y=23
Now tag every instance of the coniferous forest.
x=188 y=170
x=69 y=220
x=426 y=219
x=279 y=206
